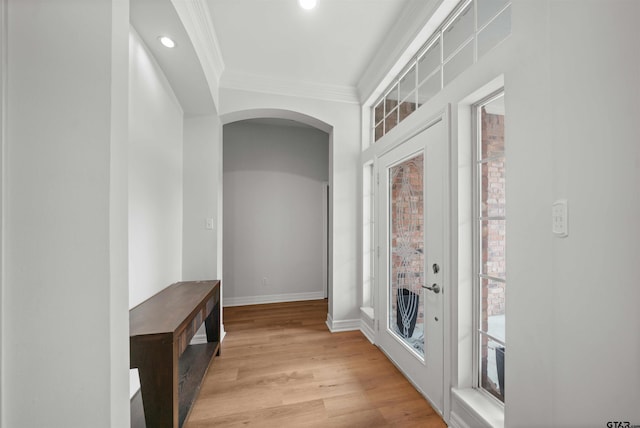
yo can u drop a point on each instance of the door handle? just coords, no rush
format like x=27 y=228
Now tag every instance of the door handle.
x=435 y=288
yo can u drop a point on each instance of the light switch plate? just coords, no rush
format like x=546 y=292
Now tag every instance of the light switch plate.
x=560 y=218
x=209 y=224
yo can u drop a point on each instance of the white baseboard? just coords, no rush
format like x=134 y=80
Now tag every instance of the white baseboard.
x=273 y=298
x=470 y=408
x=134 y=382
x=456 y=421
x=201 y=336
x=368 y=332
x=342 y=325
x=367 y=322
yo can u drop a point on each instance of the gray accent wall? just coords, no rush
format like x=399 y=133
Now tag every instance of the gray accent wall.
x=273 y=179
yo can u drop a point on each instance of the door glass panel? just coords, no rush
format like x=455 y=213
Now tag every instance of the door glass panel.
x=460 y=62
x=406 y=241
x=493 y=248
x=407 y=83
x=490 y=256
x=493 y=188
x=492 y=376
x=494 y=33
x=407 y=90
x=458 y=32
x=429 y=62
x=379 y=131
x=407 y=107
x=493 y=305
x=487 y=9
x=493 y=129
x=429 y=88
x=379 y=112
x=391 y=120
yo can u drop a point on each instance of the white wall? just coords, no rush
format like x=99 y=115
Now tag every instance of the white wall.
x=64 y=343
x=343 y=122
x=3 y=111
x=119 y=217
x=273 y=212
x=155 y=177
x=201 y=257
x=572 y=98
x=593 y=102
x=154 y=180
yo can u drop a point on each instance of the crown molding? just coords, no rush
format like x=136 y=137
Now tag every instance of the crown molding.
x=278 y=86
x=196 y=19
x=399 y=46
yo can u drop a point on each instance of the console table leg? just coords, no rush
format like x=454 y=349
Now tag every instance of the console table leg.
x=212 y=325
x=159 y=386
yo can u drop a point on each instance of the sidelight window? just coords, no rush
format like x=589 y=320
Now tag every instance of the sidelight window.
x=490 y=277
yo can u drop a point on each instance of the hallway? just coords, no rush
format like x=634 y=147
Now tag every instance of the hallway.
x=280 y=366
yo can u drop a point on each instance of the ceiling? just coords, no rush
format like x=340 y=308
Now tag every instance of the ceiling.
x=155 y=18
x=329 y=47
x=331 y=44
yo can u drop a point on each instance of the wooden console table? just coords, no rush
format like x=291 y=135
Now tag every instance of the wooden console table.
x=160 y=330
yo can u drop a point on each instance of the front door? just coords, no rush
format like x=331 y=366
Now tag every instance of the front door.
x=411 y=237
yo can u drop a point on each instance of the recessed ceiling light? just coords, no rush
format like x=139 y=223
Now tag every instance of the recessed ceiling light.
x=167 y=41
x=307 y=4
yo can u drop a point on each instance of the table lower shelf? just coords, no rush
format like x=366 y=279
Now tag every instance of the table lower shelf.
x=194 y=363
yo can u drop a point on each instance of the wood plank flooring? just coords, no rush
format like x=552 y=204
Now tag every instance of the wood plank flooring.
x=281 y=367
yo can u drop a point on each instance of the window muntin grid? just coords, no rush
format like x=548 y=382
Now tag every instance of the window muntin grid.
x=430 y=61
x=470 y=31
x=458 y=32
x=489 y=232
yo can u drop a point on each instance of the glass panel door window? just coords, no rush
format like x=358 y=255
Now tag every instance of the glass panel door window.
x=407 y=252
x=490 y=252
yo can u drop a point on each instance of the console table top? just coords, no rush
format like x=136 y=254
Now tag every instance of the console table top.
x=166 y=311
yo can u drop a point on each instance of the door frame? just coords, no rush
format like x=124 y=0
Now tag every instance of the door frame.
x=449 y=262
x=325 y=238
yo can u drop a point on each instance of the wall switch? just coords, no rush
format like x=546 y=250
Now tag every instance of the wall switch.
x=209 y=224
x=560 y=218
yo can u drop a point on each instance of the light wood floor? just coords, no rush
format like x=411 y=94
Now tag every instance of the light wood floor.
x=281 y=367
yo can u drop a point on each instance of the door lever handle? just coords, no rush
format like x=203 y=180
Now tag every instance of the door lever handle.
x=435 y=288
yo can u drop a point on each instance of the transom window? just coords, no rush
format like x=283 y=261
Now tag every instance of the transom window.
x=469 y=32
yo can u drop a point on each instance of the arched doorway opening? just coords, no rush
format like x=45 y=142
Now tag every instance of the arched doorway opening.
x=276 y=207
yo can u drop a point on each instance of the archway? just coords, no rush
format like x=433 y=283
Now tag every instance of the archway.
x=276 y=114
x=256 y=285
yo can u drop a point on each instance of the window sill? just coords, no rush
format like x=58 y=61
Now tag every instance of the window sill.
x=481 y=409
x=368 y=312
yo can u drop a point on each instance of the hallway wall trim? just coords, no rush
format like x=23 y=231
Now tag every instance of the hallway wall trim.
x=342 y=325
x=273 y=298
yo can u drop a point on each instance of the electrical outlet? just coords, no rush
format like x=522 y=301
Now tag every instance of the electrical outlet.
x=560 y=218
